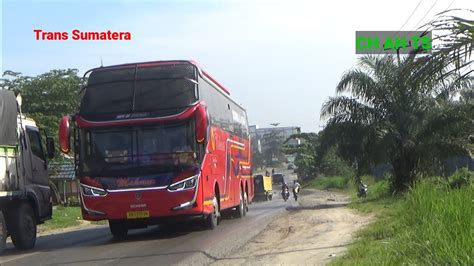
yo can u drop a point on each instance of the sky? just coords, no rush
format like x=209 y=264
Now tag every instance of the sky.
x=280 y=59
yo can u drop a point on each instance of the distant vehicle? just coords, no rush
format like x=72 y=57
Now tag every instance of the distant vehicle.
x=25 y=196
x=157 y=142
x=285 y=194
x=362 y=191
x=263 y=187
x=291 y=166
x=278 y=178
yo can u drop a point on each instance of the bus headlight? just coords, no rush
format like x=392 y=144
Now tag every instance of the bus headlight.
x=92 y=191
x=187 y=183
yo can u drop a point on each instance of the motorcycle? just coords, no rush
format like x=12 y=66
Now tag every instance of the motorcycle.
x=285 y=194
x=363 y=189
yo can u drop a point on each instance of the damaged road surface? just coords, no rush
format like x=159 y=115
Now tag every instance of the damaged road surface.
x=313 y=232
x=309 y=231
x=179 y=243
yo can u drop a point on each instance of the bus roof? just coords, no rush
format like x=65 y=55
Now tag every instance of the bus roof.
x=167 y=62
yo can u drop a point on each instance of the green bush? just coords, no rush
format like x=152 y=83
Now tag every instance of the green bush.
x=379 y=190
x=439 y=225
x=432 y=224
x=330 y=182
x=462 y=177
x=73 y=201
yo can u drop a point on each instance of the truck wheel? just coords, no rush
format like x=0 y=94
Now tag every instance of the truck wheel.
x=3 y=233
x=118 y=229
x=23 y=227
x=212 y=220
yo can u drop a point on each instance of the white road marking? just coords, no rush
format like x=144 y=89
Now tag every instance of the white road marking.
x=17 y=257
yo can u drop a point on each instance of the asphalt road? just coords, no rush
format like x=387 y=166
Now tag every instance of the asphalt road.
x=176 y=244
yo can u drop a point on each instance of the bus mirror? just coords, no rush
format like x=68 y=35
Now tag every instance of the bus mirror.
x=64 y=135
x=201 y=123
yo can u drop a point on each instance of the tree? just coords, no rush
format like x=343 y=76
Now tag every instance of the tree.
x=47 y=97
x=313 y=159
x=456 y=38
x=305 y=154
x=272 y=143
x=399 y=111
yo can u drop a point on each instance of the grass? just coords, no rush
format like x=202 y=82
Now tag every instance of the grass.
x=63 y=217
x=431 y=224
x=329 y=183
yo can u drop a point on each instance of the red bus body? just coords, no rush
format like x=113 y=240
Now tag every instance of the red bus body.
x=223 y=171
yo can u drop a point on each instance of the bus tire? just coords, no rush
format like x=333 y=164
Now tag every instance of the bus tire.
x=212 y=220
x=23 y=227
x=118 y=229
x=240 y=211
x=3 y=233
x=246 y=203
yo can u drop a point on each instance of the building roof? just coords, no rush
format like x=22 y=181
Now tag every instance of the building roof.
x=62 y=170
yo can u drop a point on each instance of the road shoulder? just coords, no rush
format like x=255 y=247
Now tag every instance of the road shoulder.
x=315 y=230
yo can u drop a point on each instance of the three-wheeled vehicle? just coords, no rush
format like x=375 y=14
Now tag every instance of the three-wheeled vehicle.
x=263 y=187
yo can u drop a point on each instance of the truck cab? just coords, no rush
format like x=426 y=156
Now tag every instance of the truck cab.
x=25 y=195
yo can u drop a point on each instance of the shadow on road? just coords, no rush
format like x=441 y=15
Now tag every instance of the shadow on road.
x=214 y=258
x=317 y=207
x=98 y=236
x=280 y=252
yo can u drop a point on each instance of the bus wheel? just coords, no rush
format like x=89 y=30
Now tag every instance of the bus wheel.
x=3 y=233
x=241 y=209
x=212 y=219
x=246 y=203
x=23 y=227
x=118 y=229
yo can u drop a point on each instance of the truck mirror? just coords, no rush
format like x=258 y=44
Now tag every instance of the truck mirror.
x=201 y=123
x=50 y=147
x=64 y=135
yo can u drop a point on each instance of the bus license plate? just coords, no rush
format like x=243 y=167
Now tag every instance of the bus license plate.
x=138 y=214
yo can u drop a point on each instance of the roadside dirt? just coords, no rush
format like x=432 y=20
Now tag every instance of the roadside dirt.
x=42 y=231
x=315 y=230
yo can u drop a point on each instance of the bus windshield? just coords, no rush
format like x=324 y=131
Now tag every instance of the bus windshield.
x=138 y=90
x=137 y=150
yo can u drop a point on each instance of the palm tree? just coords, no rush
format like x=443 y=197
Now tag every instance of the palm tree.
x=395 y=110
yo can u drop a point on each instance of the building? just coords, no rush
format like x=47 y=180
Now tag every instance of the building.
x=65 y=183
x=268 y=141
x=261 y=135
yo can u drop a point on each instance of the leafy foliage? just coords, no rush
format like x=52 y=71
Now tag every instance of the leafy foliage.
x=46 y=97
x=431 y=224
x=398 y=112
x=272 y=144
x=313 y=159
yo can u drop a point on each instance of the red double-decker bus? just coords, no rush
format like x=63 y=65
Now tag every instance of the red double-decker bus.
x=156 y=142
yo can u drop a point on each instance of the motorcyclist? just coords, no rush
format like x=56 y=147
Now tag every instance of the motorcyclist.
x=284 y=191
x=296 y=189
x=362 y=193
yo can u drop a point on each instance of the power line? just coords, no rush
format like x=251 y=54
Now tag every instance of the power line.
x=413 y=12
x=439 y=15
x=428 y=13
